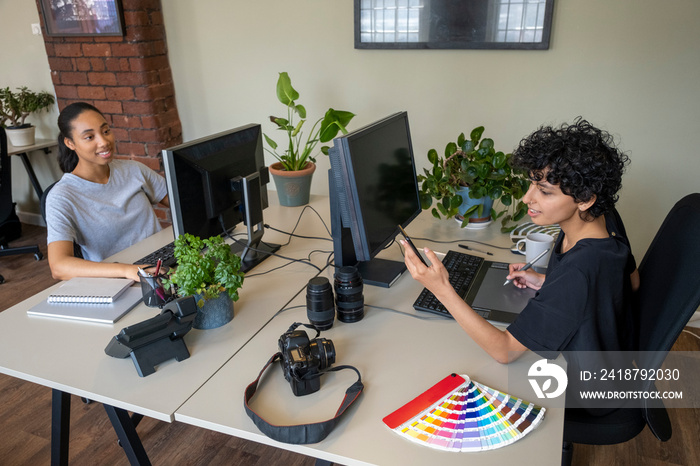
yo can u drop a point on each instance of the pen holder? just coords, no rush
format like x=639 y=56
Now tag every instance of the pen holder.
x=154 y=295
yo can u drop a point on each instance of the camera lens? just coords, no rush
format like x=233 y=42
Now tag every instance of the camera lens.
x=349 y=299
x=324 y=351
x=320 y=308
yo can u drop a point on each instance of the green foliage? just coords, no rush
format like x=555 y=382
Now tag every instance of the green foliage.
x=298 y=151
x=475 y=163
x=17 y=106
x=205 y=267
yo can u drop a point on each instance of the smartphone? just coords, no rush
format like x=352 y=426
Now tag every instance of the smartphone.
x=413 y=246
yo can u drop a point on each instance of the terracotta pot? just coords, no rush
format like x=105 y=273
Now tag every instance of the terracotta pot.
x=293 y=188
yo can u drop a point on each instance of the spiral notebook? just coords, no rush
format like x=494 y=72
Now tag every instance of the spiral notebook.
x=106 y=313
x=90 y=290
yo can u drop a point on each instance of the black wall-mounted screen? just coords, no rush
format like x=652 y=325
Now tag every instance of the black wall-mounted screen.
x=453 y=24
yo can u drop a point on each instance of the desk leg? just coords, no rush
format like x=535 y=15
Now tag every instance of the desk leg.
x=129 y=439
x=32 y=175
x=60 y=427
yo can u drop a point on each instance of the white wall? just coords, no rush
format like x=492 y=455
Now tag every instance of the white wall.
x=23 y=62
x=629 y=66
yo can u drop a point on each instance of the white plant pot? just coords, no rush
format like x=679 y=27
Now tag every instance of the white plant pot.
x=21 y=137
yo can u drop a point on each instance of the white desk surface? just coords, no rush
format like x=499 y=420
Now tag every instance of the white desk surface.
x=398 y=356
x=38 y=145
x=69 y=356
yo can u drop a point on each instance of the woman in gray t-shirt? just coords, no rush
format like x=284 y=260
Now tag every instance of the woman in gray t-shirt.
x=102 y=204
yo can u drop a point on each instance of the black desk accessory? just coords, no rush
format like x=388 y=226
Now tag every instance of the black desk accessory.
x=10 y=226
x=157 y=339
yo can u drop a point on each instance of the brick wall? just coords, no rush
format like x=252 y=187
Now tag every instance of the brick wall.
x=128 y=78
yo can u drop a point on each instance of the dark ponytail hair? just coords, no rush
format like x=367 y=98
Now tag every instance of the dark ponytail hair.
x=67 y=158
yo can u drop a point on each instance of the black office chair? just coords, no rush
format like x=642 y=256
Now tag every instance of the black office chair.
x=10 y=226
x=42 y=206
x=669 y=294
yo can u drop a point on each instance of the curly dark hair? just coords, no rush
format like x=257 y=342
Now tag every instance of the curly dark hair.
x=580 y=158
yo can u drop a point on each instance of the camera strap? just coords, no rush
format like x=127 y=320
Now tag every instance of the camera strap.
x=301 y=433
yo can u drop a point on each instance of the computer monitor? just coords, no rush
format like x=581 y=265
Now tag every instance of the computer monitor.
x=373 y=189
x=217 y=182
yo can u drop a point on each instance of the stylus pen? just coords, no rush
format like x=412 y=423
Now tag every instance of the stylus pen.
x=469 y=248
x=529 y=264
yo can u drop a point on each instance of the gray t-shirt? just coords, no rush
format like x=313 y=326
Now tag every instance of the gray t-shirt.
x=104 y=219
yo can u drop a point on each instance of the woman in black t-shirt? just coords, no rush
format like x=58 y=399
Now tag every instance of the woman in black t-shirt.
x=583 y=302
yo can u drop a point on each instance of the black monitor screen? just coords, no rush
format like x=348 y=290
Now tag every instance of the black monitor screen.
x=373 y=189
x=385 y=178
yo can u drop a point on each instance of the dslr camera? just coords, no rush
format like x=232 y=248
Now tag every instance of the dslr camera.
x=303 y=360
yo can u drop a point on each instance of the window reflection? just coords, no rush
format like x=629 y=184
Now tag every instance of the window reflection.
x=391 y=20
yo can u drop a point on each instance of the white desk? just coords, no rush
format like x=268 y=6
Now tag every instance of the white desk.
x=399 y=358
x=69 y=356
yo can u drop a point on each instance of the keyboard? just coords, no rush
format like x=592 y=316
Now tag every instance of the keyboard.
x=462 y=268
x=166 y=254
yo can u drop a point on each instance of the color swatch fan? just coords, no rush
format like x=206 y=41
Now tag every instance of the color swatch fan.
x=458 y=414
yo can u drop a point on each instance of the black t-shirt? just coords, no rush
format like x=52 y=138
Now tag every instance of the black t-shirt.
x=585 y=302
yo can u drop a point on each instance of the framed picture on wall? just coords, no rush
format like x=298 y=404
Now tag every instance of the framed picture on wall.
x=83 y=17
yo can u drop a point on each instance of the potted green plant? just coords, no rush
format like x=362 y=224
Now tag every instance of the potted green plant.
x=296 y=157
x=208 y=270
x=469 y=179
x=16 y=107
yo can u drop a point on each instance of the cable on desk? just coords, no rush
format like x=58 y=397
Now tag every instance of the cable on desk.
x=461 y=241
x=407 y=313
x=288 y=263
x=296 y=236
x=297 y=225
x=285 y=309
x=380 y=308
x=291 y=259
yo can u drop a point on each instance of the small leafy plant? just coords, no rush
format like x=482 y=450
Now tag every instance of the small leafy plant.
x=473 y=163
x=17 y=106
x=298 y=151
x=206 y=267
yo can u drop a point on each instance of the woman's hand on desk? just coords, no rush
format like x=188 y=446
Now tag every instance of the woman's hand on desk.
x=525 y=278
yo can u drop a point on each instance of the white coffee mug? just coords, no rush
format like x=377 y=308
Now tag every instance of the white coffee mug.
x=533 y=245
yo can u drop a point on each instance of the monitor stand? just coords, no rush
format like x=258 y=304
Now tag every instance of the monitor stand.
x=376 y=272
x=380 y=272
x=254 y=251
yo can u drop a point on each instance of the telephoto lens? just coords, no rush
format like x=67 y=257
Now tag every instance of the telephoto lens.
x=349 y=299
x=320 y=308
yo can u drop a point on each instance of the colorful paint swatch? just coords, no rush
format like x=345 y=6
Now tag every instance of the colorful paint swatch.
x=458 y=414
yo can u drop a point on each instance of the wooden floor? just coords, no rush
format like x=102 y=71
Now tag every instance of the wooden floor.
x=25 y=422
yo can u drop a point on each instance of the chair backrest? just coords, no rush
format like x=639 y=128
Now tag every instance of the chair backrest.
x=42 y=201
x=669 y=291
x=5 y=178
x=77 y=252
x=669 y=294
